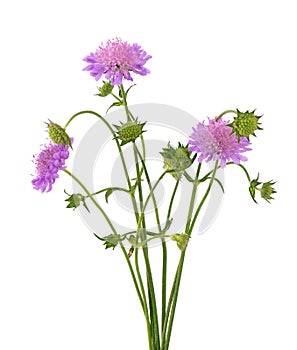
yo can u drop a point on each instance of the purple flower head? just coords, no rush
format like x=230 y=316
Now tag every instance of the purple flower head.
x=215 y=142
x=116 y=60
x=48 y=162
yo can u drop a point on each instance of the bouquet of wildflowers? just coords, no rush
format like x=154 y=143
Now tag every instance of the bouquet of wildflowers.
x=212 y=145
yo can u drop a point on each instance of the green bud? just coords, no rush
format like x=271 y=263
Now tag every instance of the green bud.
x=129 y=131
x=177 y=159
x=181 y=240
x=111 y=241
x=253 y=186
x=267 y=190
x=75 y=200
x=105 y=89
x=245 y=124
x=58 y=134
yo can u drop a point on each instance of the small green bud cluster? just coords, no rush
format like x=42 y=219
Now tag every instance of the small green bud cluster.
x=129 y=131
x=105 y=89
x=181 y=240
x=58 y=134
x=245 y=124
x=176 y=159
x=266 y=190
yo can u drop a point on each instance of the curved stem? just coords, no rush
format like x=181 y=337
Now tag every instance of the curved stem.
x=118 y=147
x=244 y=169
x=112 y=133
x=225 y=112
x=228 y=163
x=92 y=199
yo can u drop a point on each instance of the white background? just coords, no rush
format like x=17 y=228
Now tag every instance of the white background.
x=59 y=288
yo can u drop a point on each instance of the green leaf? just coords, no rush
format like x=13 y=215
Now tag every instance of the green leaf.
x=110 y=190
x=130 y=89
x=115 y=104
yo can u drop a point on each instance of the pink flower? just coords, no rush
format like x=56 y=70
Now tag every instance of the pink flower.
x=48 y=163
x=215 y=142
x=116 y=60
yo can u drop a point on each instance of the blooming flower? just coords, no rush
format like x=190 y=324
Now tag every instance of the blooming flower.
x=215 y=142
x=116 y=59
x=48 y=162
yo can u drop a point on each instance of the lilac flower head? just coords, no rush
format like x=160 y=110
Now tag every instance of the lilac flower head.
x=116 y=59
x=215 y=142
x=48 y=162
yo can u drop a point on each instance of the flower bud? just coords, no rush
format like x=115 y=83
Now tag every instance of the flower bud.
x=129 y=131
x=177 y=159
x=253 y=186
x=267 y=190
x=58 y=134
x=105 y=89
x=245 y=124
x=181 y=240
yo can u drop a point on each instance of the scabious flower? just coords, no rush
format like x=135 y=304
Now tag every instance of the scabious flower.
x=215 y=142
x=116 y=60
x=48 y=162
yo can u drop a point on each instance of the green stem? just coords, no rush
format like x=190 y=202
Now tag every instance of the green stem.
x=189 y=230
x=107 y=188
x=116 y=97
x=151 y=289
x=228 y=163
x=141 y=221
x=112 y=133
x=204 y=198
x=193 y=197
x=141 y=296
x=173 y=290
x=174 y=298
x=124 y=97
x=149 y=326
x=225 y=112
x=134 y=279
x=92 y=199
x=150 y=186
x=147 y=200
x=146 y=240
x=164 y=260
x=118 y=147
x=244 y=169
